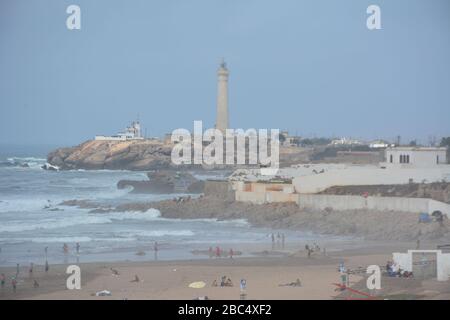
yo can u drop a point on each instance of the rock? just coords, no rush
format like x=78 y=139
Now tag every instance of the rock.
x=123 y=155
x=163 y=182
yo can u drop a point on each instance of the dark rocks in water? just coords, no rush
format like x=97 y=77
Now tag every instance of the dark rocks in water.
x=163 y=182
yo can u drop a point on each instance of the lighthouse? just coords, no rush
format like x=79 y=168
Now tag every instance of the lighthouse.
x=222 y=97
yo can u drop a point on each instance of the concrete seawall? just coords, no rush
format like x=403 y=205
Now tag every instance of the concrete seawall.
x=346 y=202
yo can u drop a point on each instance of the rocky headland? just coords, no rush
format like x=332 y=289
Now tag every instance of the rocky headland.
x=114 y=155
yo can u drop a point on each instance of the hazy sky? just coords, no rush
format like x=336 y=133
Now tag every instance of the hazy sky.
x=311 y=67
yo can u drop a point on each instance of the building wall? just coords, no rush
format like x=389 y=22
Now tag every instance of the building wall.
x=265 y=197
x=405 y=261
x=220 y=189
x=418 y=157
x=348 y=202
x=369 y=176
x=345 y=202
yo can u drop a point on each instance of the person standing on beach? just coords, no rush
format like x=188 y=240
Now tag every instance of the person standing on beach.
x=2 y=280
x=231 y=253
x=308 y=249
x=210 y=252
x=65 y=248
x=14 y=284
x=30 y=271
x=78 y=248
x=217 y=252
x=155 y=248
x=273 y=241
x=17 y=269
x=46 y=266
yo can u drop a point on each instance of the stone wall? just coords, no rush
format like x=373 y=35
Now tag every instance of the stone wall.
x=219 y=189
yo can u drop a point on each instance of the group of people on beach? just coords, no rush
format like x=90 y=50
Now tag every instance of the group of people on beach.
x=279 y=240
x=15 y=277
x=394 y=270
x=310 y=249
x=224 y=282
x=219 y=253
x=66 y=248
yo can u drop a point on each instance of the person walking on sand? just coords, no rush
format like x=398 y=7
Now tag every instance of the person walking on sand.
x=35 y=284
x=2 y=280
x=65 y=248
x=46 y=266
x=30 y=271
x=17 y=269
x=231 y=253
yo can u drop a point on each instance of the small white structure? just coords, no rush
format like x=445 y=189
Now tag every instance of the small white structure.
x=417 y=156
x=345 y=141
x=431 y=263
x=132 y=132
x=379 y=144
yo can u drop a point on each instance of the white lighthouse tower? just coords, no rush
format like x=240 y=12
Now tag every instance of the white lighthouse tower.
x=222 y=97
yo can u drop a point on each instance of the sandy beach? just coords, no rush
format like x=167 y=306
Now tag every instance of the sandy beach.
x=265 y=276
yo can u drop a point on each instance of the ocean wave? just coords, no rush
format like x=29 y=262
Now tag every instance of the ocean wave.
x=46 y=240
x=157 y=233
x=45 y=224
x=150 y=214
x=24 y=205
x=78 y=218
x=28 y=162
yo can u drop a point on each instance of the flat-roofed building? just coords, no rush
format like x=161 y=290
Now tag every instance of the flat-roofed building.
x=417 y=156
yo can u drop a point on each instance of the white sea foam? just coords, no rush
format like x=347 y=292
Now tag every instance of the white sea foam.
x=150 y=214
x=46 y=240
x=22 y=205
x=44 y=224
x=157 y=233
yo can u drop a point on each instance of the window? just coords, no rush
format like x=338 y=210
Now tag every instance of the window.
x=401 y=158
x=407 y=158
x=391 y=159
x=437 y=159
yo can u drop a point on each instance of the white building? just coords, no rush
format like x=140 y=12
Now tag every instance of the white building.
x=132 y=132
x=345 y=142
x=417 y=156
x=379 y=144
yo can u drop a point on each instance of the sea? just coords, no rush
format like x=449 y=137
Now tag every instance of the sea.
x=34 y=225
